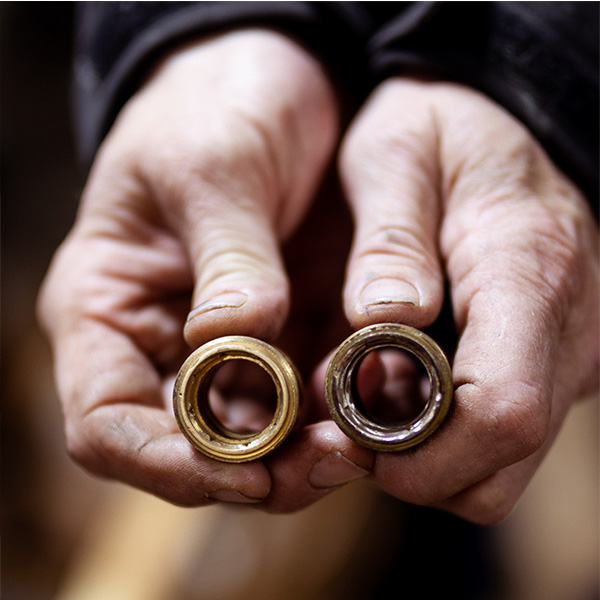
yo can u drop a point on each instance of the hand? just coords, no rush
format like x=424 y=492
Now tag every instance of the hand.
x=442 y=181
x=208 y=168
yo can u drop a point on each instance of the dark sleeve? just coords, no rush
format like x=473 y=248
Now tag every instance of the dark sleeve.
x=537 y=59
x=116 y=42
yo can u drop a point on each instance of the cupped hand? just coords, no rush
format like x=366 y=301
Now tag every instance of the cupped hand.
x=208 y=168
x=443 y=183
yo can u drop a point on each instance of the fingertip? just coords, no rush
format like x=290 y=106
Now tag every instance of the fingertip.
x=335 y=469
x=315 y=461
x=492 y=500
x=388 y=299
x=390 y=171
x=184 y=476
x=388 y=290
x=256 y=313
x=225 y=300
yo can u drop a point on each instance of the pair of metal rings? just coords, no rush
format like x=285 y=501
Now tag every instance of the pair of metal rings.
x=207 y=433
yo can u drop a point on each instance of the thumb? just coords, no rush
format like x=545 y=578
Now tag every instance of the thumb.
x=234 y=165
x=240 y=284
x=389 y=169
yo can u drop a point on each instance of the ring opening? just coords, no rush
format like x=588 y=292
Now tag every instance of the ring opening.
x=238 y=398
x=390 y=386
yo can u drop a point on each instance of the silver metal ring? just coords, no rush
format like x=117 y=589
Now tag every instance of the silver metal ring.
x=340 y=378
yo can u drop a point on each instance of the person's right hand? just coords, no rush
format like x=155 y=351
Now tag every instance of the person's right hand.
x=206 y=170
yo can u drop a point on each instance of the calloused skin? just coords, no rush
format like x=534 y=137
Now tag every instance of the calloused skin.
x=207 y=172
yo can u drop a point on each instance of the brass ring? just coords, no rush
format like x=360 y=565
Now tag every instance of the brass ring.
x=197 y=420
x=340 y=387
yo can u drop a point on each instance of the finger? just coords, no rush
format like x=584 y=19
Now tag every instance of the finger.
x=389 y=169
x=492 y=500
x=402 y=397
x=503 y=373
x=240 y=284
x=313 y=462
x=119 y=425
x=227 y=224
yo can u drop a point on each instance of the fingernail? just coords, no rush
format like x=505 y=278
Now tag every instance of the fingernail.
x=335 y=469
x=389 y=291
x=226 y=300
x=232 y=496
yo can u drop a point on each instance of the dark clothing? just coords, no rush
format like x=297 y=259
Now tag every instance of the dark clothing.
x=537 y=59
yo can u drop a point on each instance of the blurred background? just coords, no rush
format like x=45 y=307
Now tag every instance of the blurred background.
x=69 y=536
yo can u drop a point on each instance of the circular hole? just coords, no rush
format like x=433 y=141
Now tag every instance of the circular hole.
x=391 y=386
x=242 y=398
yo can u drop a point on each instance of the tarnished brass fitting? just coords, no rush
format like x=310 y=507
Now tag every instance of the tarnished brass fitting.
x=340 y=387
x=196 y=418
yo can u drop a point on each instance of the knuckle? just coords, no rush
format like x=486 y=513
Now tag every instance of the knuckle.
x=202 y=165
x=400 y=150
x=80 y=448
x=514 y=159
x=51 y=297
x=418 y=486
x=400 y=244
x=518 y=425
x=489 y=504
x=99 y=457
x=75 y=449
x=423 y=494
x=43 y=306
x=100 y=440
x=590 y=376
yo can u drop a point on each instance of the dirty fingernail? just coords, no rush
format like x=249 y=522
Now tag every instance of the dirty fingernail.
x=227 y=300
x=389 y=291
x=334 y=469
x=232 y=496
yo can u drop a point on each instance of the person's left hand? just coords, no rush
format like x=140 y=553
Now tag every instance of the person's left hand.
x=442 y=182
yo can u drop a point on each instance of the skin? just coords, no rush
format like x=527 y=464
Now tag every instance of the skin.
x=200 y=190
